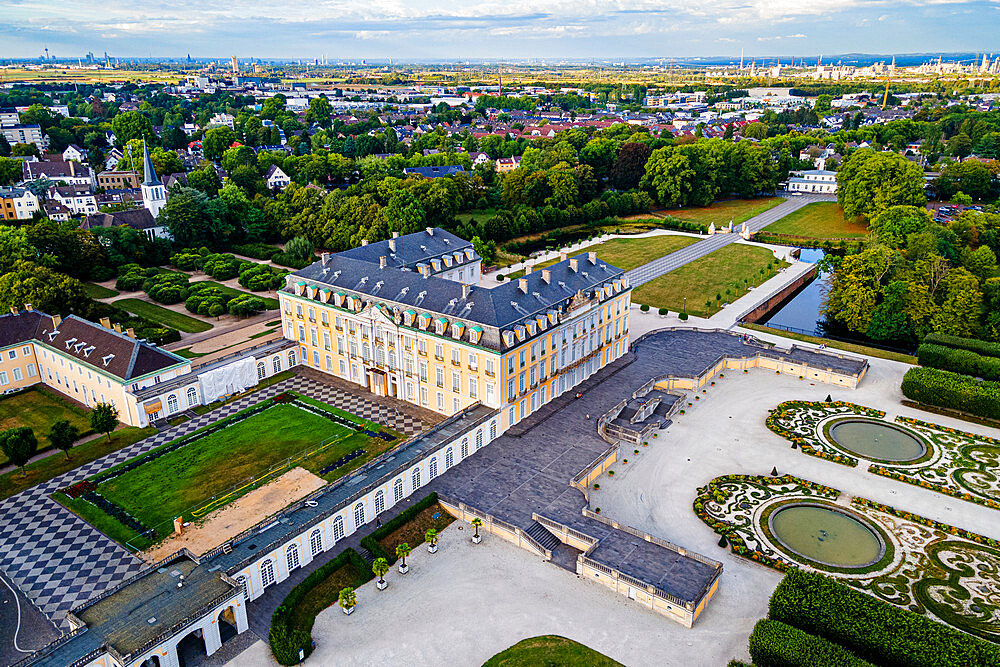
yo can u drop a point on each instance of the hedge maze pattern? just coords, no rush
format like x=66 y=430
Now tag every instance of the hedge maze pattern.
x=797 y=422
x=943 y=572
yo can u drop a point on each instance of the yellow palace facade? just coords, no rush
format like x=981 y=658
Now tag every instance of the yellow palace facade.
x=392 y=317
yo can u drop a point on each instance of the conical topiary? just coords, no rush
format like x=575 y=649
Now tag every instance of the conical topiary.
x=774 y=472
x=722 y=541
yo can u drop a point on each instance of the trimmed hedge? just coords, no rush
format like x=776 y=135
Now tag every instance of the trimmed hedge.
x=285 y=638
x=257 y=250
x=959 y=361
x=865 y=625
x=972 y=344
x=952 y=390
x=775 y=644
x=370 y=541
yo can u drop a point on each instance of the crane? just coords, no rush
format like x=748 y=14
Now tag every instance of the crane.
x=885 y=97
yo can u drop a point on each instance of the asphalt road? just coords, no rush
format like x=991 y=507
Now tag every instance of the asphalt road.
x=675 y=260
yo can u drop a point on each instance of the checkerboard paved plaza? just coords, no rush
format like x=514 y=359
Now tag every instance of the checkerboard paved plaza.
x=59 y=561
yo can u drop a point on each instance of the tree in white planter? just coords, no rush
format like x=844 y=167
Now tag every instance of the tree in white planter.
x=432 y=540
x=347 y=600
x=402 y=551
x=477 y=538
x=380 y=568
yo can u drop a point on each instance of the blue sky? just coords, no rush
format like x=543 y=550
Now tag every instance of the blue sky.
x=512 y=29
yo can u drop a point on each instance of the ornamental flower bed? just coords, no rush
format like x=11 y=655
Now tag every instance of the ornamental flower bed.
x=76 y=490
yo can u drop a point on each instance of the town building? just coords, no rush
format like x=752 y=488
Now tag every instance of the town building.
x=816 y=181
x=139 y=219
x=68 y=173
x=434 y=172
x=77 y=198
x=505 y=164
x=386 y=317
x=25 y=134
x=117 y=180
x=74 y=153
x=17 y=203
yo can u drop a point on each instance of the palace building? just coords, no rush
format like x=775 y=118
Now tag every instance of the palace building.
x=408 y=318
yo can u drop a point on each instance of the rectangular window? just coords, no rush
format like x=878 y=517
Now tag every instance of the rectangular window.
x=329 y=363
x=489 y=366
x=315 y=359
x=31 y=370
x=522 y=356
x=456 y=405
x=440 y=401
x=456 y=356
x=422 y=346
x=343 y=368
x=302 y=334
x=473 y=388
x=543 y=392
x=3 y=378
x=510 y=390
x=456 y=382
x=340 y=345
x=12 y=354
x=473 y=361
x=510 y=416
x=325 y=317
x=338 y=322
x=520 y=383
x=326 y=340
x=312 y=313
x=423 y=371
x=439 y=374
x=312 y=336
x=439 y=351
x=423 y=396
x=522 y=406
x=298 y=309
x=17 y=375
x=534 y=352
x=510 y=364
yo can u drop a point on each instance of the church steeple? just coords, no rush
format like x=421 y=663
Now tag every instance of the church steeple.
x=154 y=195
x=147 y=167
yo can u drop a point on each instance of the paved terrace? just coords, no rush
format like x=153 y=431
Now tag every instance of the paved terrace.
x=528 y=469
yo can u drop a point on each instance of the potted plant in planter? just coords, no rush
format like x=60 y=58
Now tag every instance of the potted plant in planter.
x=380 y=568
x=347 y=600
x=403 y=550
x=477 y=538
x=432 y=540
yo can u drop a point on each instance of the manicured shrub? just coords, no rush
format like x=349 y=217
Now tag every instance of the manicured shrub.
x=285 y=637
x=952 y=390
x=131 y=277
x=246 y=305
x=284 y=259
x=370 y=542
x=972 y=344
x=257 y=250
x=663 y=311
x=683 y=316
x=959 y=361
x=865 y=625
x=644 y=308
x=222 y=267
x=167 y=287
x=775 y=644
x=260 y=277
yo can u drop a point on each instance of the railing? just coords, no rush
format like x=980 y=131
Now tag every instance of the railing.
x=636 y=583
x=176 y=627
x=558 y=527
x=491 y=520
x=651 y=538
x=577 y=481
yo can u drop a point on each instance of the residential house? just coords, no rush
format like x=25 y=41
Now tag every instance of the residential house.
x=114 y=180
x=75 y=153
x=77 y=198
x=815 y=181
x=25 y=134
x=139 y=218
x=276 y=179
x=70 y=173
x=17 y=203
x=505 y=164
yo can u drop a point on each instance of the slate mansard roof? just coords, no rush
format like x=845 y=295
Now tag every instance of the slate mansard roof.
x=504 y=308
x=105 y=349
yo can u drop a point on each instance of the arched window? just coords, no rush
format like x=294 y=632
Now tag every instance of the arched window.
x=415 y=476
x=359 y=515
x=292 y=556
x=449 y=458
x=465 y=447
x=261 y=371
x=433 y=468
x=493 y=430
x=315 y=542
x=172 y=404
x=338 y=528
x=479 y=438
x=267 y=573
x=244 y=586
x=192 y=397
x=397 y=490
x=291 y=358
x=276 y=364
x=379 y=502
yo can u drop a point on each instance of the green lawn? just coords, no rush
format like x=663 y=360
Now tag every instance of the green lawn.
x=39 y=408
x=207 y=473
x=549 y=650
x=819 y=220
x=162 y=315
x=627 y=254
x=272 y=304
x=721 y=212
x=56 y=464
x=479 y=214
x=95 y=291
x=731 y=267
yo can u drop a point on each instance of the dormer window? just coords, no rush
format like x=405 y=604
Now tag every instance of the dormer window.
x=76 y=348
x=53 y=334
x=87 y=350
x=69 y=343
x=107 y=359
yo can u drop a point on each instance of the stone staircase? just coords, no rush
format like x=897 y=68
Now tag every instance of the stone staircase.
x=541 y=535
